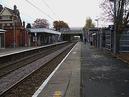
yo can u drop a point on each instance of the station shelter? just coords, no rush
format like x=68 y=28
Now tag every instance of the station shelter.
x=42 y=36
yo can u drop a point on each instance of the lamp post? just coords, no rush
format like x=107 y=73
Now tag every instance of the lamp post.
x=97 y=33
x=114 y=43
x=114 y=47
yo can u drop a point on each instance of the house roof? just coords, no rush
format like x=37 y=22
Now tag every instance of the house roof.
x=9 y=10
x=43 y=30
x=12 y=12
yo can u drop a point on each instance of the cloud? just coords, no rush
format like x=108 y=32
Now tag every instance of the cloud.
x=72 y=11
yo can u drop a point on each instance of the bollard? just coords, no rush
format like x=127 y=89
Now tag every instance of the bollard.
x=57 y=94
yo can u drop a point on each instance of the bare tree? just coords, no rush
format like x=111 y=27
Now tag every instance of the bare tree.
x=119 y=15
x=121 y=12
x=41 y=23
x=108 y=10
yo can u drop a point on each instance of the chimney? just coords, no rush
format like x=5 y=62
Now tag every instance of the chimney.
x=24 y=24
x=1 y=7
x=15 y=9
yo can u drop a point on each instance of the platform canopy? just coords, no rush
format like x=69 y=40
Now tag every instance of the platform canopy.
x=2 y=31
x=43 y=30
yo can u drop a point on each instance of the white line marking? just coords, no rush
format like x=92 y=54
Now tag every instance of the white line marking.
x=50 y=76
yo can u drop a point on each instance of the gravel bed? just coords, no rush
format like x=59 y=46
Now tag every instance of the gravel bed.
x=27 y=87
x=19 y=74
x=13 y=65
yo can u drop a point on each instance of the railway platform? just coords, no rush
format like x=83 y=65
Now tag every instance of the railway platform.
x=87 y=72
x=7 y=51
x=10 y=51
x=66 y=80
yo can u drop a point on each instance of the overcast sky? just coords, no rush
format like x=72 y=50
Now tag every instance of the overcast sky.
x=74 y=12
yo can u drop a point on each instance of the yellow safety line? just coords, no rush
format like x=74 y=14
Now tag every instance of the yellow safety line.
x=57 y=94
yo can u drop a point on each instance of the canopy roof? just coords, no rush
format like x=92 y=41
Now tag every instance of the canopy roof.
x=43 y=30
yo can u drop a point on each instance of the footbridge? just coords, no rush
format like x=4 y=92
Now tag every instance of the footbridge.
x=72 y=34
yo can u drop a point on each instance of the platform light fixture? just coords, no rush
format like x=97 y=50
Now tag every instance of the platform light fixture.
x=97 y=20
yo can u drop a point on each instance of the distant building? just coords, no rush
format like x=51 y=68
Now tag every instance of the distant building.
x=15 y=35
x=42 y=36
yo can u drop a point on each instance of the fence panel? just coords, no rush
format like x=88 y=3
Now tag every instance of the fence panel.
x=124 y=42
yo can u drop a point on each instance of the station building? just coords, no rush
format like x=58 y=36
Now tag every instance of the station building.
x=42 y=36
x=16 y=34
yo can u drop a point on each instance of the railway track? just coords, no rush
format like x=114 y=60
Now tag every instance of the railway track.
x=8 y=67
x=27 y=85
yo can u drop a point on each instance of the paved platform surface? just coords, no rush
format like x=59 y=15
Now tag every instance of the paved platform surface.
x=67 y=78
x=88 y=72
x=8 y=51
x=4 y=51
x=102 y=75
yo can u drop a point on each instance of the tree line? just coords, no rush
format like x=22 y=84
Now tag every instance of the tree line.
x=43 y=23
